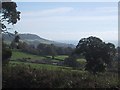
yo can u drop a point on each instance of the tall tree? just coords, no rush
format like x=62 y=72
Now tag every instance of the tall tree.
x=52 y=50
x=97 y=53
x=15 y=42
x=10 y=15
x=16 y=39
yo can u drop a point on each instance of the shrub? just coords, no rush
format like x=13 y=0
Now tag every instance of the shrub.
x=24 y=76
x=6 y=54
x=71 y=61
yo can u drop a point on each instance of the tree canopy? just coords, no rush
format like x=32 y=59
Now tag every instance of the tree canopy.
x=97 y=53
x=9 y=14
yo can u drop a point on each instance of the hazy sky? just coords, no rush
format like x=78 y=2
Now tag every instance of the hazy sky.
x=66 y=0
x=69 y=20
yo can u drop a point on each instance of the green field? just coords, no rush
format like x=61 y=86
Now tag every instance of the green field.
x=59 y=57
x=40 y=66
x=16 y=55
x=81 y=61
x=20 y=55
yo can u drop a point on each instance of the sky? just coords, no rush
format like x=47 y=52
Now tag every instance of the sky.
x=69 y=20
x=66 y=0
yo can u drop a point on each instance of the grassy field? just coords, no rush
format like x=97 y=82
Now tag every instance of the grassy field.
x=21 y=55
x=16 y=55
x=39 y=66
x=81 y=61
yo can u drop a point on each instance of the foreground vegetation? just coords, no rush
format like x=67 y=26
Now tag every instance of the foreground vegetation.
x=19 y=74
x=26 y=71
x=24 y=76
x=39 y=66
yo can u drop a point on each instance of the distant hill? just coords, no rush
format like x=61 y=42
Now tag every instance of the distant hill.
x=34 y=40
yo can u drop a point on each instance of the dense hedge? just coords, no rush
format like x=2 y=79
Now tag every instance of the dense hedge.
x=23 y=76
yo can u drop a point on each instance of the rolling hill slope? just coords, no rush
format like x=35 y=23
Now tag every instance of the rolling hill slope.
x=34 y=40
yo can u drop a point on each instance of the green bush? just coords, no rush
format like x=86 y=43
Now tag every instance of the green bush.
x=71 y=62
x=24 y=76
x=6 y=54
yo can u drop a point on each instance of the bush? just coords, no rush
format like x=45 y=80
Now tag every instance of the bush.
x=24 y=76
x=71 y=61
x=6 y=54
